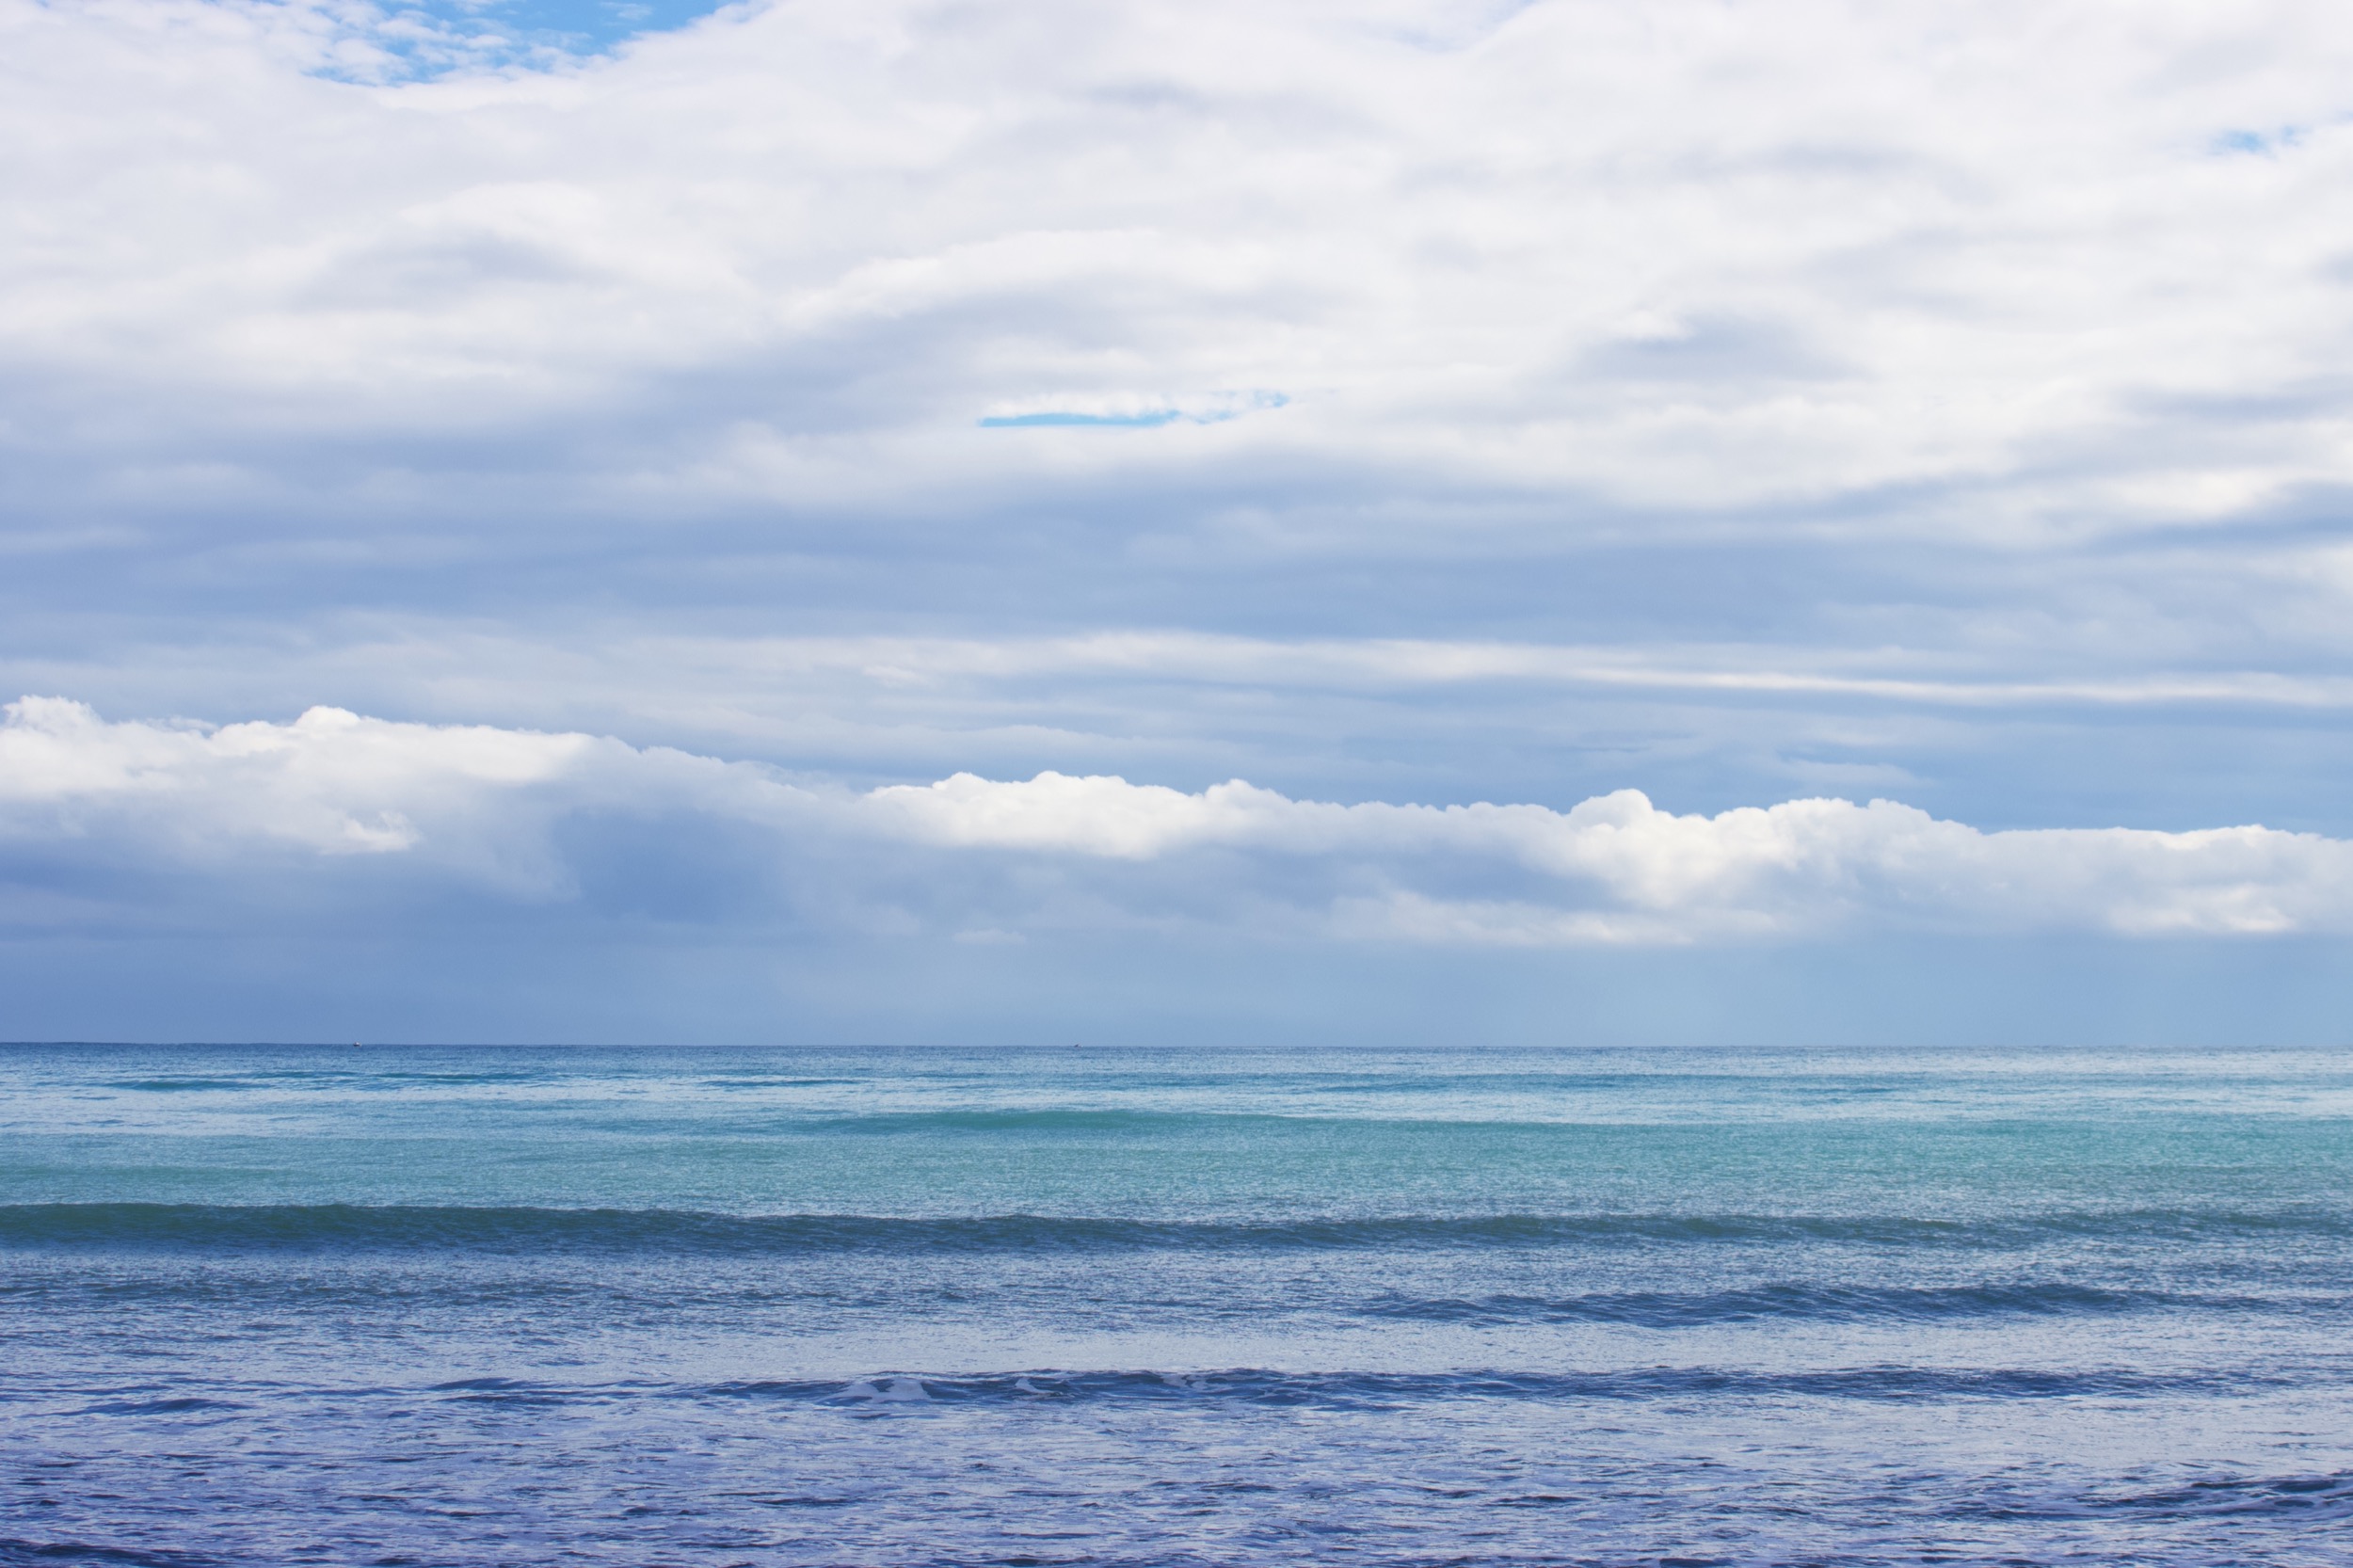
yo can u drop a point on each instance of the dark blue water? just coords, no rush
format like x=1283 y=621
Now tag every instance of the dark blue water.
x=609 y=1307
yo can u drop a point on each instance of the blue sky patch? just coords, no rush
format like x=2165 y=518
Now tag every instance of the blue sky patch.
x=2260 y=143
x=432 y=38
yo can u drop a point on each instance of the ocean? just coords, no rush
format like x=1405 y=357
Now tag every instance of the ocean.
x=392 y=1305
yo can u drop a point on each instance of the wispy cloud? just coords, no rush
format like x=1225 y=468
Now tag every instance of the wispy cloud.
x=1386 y=663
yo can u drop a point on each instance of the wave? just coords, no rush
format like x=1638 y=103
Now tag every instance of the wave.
x=1342 y=1391
x=1818 y=1304
x=234 y=1227
x=1368 y=1390
x=76 y=1554
x=2307 y=1500
x=1334 y=1390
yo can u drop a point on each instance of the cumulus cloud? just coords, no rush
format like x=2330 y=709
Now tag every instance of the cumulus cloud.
x=472 y=800
x=1639 y=872
x=488 y=808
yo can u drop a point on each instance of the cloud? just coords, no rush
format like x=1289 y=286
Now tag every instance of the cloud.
x=1410 y=663
x=503 y=811
x=963 y=436
x=1803 y=865
x=473 y=802
x=1960 y=272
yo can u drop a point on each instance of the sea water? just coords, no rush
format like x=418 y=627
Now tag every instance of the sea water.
x=544 y=1307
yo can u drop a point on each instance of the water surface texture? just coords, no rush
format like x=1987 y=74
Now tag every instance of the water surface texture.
x=452 y=1307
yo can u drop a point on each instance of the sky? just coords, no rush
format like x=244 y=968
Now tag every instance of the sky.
x=1692 y=521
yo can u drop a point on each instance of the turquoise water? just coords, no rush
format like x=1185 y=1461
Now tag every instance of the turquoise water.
x=1090 y=1307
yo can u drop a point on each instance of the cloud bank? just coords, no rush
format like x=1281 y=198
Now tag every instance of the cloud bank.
x=486 y=808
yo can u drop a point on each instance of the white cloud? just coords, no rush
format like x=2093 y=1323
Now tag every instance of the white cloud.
x=1409 y=663
x=2007 y=262
x=490 y=806
x=1802 y=864
x=473 y=800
